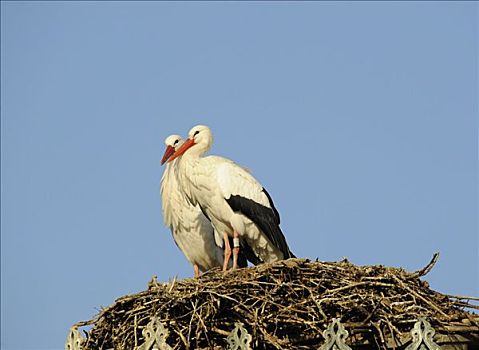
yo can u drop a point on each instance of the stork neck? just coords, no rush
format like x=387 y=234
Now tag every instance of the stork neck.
x=197 y=151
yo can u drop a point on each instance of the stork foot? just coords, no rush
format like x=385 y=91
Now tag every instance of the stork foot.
x=235 y=257
x=236 y=248
x=227 y=252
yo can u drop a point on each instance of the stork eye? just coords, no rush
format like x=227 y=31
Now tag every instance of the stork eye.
x=175 y=142
x=196 y=133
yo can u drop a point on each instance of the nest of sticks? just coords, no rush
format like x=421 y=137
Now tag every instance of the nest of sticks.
x=285 y=305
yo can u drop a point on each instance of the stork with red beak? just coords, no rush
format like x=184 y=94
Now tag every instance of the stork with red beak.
x=191 y=230
x=235 y=202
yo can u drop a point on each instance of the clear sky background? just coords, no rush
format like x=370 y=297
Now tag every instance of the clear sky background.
x=360 y=119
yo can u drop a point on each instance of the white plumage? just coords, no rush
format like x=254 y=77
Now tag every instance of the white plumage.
x=234 y=201
x=191 y=230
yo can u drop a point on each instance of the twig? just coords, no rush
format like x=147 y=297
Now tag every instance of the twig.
x=425 y=270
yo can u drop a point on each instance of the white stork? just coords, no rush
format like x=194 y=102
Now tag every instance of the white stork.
x=235 y=202
x=191 y=230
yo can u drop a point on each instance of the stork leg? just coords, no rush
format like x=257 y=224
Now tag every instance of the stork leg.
x=227 y=252
x=197 y=271
x=236 y=247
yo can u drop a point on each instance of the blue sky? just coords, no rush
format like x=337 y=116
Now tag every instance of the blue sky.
x=359 y=118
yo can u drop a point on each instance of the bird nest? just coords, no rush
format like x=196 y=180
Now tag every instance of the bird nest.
x=285 y=305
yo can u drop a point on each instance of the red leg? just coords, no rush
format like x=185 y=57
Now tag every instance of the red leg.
x=235 y=249
x=227 y=252
x=197 y=271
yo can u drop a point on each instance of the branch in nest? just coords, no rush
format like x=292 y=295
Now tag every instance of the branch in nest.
x=425 y=270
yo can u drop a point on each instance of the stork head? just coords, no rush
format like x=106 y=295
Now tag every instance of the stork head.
x=172 y=142
x=199 y=142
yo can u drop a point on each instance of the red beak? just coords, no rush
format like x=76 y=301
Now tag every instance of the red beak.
x=169 y=151
x=188 y=143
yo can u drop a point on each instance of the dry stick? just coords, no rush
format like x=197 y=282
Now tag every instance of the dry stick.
x=394 y=342
x=136 y=326
x=223 y=296
x=464 y=304
x=282 y=306
x=372 y=312
x=357 y=284
x=318 y=305
x=271 y=338
x=381 y=337
x=425 y=270
x=434 y=306
x=392 y=330
x=192 y=317
x=473 y=320
x=206 y=331
x=461 y=329
x=182 y=337
x=462 y=297
x=220 y=331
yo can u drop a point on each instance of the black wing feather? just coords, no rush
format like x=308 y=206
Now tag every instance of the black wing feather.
x=272 y=204
x=267 y=219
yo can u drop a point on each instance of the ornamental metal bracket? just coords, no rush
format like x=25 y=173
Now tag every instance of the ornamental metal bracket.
x=239 y=338
x=335 y=339
x=422 y=335
x=155 y=335
x=74 y=339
